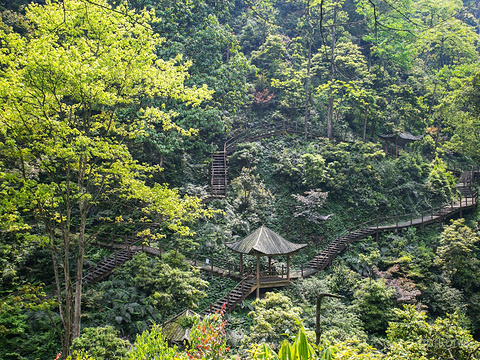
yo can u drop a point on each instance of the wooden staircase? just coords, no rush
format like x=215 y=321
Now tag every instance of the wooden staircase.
x=322 y=260
x=227 y=303
x=219 y=174
x=468 y=200
x=106 y=266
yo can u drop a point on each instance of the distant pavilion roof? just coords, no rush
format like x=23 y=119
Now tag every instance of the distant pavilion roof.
x=402 y=138
x=266 y=242
x=175 y=330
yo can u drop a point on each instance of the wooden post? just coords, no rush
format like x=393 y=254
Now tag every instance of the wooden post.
x=288 y=267
x=258 y=276
x=241 y=265
x=269 y=264
x=318 y=331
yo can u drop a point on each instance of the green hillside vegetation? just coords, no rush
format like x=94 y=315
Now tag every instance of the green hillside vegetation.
x=110 y=112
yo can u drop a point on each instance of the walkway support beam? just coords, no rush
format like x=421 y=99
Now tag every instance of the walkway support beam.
x=258 y=276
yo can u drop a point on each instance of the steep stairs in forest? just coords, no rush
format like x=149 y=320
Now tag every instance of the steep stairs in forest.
x=254 y=133
x=219 y=174
x=468 y=200
x=228 y=302
x=322 y=260
x=106 y=266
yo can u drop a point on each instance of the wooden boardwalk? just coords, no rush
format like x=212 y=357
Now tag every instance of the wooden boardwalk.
x=374 y=227
x=218 y=182
x=228 y=302
x=247 y=284
x=121 y=255
x=468 y=200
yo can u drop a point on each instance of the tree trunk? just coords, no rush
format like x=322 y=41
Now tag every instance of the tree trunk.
x=68 y=297
x=437 y=138
x=365 y=125
x=309 y=65
x=78 y=280
x=332 y=79
x=372 y=130
x=83 y=208
x=307 y=89
x=330 y=113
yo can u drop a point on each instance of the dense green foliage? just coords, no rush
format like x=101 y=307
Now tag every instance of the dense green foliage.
x=109 y=111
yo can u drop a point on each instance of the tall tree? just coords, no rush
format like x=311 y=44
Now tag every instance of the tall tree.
x=62 y=90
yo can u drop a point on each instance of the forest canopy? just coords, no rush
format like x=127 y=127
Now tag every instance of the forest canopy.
x=115 y=116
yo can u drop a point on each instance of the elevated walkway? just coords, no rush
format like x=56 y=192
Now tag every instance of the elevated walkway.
x=247 y=284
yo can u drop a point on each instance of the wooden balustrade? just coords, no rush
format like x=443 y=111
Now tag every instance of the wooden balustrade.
x=377 y=224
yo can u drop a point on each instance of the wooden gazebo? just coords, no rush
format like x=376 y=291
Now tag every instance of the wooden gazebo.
x=399 y=139
x=264 y=242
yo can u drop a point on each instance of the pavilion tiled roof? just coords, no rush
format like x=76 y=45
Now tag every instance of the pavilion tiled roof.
x=266 y=242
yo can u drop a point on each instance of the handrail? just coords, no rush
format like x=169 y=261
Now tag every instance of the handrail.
x=397 y=220
x=373 y=225
x=271 y=129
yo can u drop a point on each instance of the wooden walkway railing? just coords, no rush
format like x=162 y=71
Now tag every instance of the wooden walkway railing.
x=228 y=302
x=354 y=233
x=221 y=267
x=392 y=223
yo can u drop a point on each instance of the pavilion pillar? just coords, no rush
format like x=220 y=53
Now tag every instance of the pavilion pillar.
x=386 y=147
x=258 y=276
x=288 y=267
x=269 y=264
x=241 y=265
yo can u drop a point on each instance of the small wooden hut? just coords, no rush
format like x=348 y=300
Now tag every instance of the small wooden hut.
x=177 y=329
x=265 y=242
x=399 y=140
